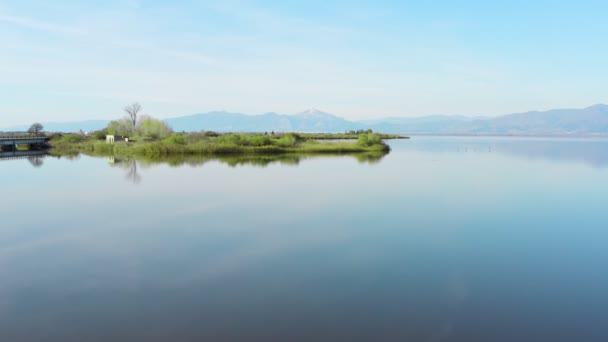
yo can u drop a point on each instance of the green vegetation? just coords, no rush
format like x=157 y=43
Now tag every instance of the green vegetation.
x=368 y=139
x=72 y=138
x=151 y=128
x=120 y=127
x=209 y=144
x=146 y=127
x=153 y=137
x=101 y=134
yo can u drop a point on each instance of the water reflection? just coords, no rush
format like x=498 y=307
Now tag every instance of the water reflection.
x=247 y=160
x=132 y=165
x=35 y=157
x=36 y=160
x=483 y=245
x=593 y=152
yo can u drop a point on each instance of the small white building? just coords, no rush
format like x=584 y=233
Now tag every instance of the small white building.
x=110 y=139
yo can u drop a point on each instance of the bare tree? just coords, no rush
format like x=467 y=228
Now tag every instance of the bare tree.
x=36 y=128
x=132 y=110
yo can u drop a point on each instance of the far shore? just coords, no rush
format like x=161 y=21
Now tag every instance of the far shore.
x=513 y=135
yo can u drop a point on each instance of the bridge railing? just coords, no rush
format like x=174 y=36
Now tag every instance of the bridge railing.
x=9 y=136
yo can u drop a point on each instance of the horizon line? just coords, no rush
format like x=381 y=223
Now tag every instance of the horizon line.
x=485 y=117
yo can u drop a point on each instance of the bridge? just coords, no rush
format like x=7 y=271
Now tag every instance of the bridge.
x=9 y=142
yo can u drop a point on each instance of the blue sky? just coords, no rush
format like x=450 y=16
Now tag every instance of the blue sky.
x=75 y=60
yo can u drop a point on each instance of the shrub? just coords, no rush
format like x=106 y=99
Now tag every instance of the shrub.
x=196 y=137
x=288 y=140
x=120 y=127
x=176 y=138
x=359 y=131
x=72 y=138
x=149 y=127
x=368 y=139
x=261 y=140
x=101 y=134
x=55 y=136
x=235 y=139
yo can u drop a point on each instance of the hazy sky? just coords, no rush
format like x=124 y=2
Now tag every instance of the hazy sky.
x=71 y=60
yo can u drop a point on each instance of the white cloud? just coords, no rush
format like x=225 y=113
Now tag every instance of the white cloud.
x=40 y=25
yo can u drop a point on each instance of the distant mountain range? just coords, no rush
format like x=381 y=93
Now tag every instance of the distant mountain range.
x=309 y=121
x=585 y=121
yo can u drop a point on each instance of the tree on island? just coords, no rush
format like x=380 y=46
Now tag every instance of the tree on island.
x=137 y=125
x=35 y=128
x=149 y=127
x=132 y=110
x=121 y=127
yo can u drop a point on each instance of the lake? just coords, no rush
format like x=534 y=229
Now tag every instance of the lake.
x=443 y=239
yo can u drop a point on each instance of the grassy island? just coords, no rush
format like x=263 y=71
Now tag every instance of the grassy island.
x=148 y=136
x=210 y=143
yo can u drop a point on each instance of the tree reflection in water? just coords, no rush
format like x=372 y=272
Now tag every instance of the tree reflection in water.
x=130 y=165
x=37 y=160
x=133 y=165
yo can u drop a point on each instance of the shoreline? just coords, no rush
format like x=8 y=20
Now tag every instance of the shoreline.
x=226 y=144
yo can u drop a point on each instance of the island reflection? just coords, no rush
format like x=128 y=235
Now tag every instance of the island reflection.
x=133 y=164
x=34 y=157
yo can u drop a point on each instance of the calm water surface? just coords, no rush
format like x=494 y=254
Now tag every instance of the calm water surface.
x=444 y=239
